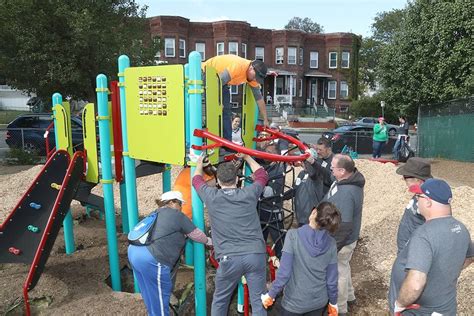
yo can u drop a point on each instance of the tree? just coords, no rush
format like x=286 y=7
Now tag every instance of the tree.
x=370 y=106
x=429 y=58
x=61 y=46
x=306 y=25
x=384 y=27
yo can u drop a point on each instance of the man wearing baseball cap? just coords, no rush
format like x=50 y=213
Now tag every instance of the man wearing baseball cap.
x=436 y=253
x=233 y=71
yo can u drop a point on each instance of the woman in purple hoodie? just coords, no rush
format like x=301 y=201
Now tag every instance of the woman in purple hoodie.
x=308 y=266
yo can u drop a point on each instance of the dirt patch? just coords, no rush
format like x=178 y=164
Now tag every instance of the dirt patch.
x=76 y=284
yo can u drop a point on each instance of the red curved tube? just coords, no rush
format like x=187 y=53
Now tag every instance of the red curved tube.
x=252 y=152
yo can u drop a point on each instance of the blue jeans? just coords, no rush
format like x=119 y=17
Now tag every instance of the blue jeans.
x=154 y=280
x=226 y=113
x=229 y=273
x=377 y=149
x=396 y=148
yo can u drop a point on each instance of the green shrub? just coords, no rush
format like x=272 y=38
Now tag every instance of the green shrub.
x=17 y=156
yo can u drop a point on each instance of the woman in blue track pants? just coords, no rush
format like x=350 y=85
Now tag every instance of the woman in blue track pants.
x=152 y=264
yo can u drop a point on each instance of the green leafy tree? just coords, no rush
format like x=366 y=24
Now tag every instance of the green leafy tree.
x=370 y=106
x=430 y=57
x=306 y=25
x=61 y=46
x=383 y=29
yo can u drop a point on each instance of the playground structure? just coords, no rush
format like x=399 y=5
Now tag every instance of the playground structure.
x=155 y=115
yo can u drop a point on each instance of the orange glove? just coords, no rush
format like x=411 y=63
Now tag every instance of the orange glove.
x=267 y=300
x=332 y=310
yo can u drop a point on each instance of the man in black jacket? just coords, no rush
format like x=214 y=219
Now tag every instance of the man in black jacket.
x=347 y=193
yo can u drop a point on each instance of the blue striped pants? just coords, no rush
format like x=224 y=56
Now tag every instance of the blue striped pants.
x=154 y=280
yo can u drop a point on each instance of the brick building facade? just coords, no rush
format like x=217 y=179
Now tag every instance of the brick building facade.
x=312 y=69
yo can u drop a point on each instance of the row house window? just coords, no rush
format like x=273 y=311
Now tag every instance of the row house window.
x=201 y=49
x=300 y=90
x=332 y=60
x=291 y=55
x=260 y=53
x=170 y=47
x=313 y=60
x=244 y=50
x=220 y=48
x=279 y=55
x=345 y=60
x=234 y=48
x=301 y=56
x=332 y=90
x=182 y=48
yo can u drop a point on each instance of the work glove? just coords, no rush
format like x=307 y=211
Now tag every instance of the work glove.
x=267 y=300
x=399 y=309
x=332 y=310
x=209 y=242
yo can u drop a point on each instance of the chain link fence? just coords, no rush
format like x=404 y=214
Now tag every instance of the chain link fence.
x=445 y=130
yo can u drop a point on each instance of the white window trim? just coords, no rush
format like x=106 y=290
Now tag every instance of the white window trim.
x=217 y=48
x=184 y=48
x=236 y=89
x=244 y=50
x=335 y=90
x=348 y=59
x=317 y=59
x=236 y=48
x=300 y=90
x=203 y=52
x=340 y=92
x=295 y=55
x=282 y=61
x=332 y=67
x=301 y=55
x=293 y=91
x=174 y=47
x=263 y=51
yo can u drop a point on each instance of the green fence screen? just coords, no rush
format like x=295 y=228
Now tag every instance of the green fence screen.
x=447 y=130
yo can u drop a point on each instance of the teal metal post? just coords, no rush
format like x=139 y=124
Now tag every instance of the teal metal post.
x=128 y=163
x=189 y=248
x=167 y=179
x=68 y=223
x=195 y=115
x=123 y=206
x=248 y=172
x=107 y=179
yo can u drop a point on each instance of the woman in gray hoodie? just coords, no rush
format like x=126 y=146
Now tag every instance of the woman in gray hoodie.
x=308 y=266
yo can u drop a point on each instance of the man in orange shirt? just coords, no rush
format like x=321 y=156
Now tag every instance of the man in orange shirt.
x=233 y=71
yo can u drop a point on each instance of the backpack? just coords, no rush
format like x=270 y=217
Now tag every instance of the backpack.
x=405 y=152
x=140 y=235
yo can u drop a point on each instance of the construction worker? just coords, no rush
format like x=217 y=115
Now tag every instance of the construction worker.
x=233 y=71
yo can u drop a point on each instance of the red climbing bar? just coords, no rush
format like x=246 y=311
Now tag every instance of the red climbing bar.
x=255 y=153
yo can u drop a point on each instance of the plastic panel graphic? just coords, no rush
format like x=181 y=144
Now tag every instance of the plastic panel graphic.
x=90 y=142
x=213 y=108
x=249 y=117
x=155 y=113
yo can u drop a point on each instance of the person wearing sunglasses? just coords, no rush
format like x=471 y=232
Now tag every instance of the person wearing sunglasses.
x=436 y=253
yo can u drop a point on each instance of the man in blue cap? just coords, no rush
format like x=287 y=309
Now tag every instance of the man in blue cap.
x=437 y=252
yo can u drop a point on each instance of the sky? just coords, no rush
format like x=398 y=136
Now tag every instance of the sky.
x=354 y=16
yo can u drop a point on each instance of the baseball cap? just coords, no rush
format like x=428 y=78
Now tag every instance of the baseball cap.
x=172 y=195
x=260 y=70
x=417 y=168
x=436 y=189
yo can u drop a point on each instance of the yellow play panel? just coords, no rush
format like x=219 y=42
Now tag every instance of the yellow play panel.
x=155 y=113
x=90 y=142
x=213 y=108
x=249 y=117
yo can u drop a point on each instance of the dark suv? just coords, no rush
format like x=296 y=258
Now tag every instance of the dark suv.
x=27 y=132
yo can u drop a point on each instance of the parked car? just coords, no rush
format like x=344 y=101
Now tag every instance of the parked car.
x=359 y=138
x=27 y=132
x=371 y=121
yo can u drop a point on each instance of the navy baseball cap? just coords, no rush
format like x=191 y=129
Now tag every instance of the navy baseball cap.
x=436 y=189
x=260 y=71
